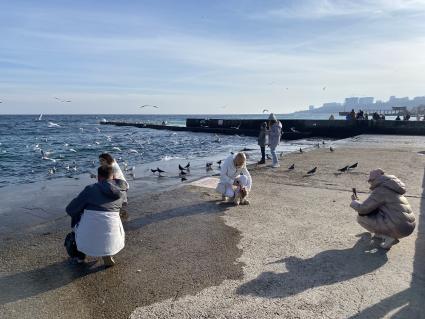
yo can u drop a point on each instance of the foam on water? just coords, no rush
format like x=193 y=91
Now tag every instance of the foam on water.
x=73 y=145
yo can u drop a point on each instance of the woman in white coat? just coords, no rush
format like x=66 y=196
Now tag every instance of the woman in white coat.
x=232 y=167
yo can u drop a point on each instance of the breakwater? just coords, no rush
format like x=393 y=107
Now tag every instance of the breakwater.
x=292 y=129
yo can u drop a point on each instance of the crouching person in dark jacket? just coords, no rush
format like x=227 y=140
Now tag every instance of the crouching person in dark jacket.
x=96 y=218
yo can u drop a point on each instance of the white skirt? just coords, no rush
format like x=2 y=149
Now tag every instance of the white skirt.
x=100 y=233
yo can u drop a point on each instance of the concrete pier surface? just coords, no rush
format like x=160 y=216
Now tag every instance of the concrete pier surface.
x=295 y=252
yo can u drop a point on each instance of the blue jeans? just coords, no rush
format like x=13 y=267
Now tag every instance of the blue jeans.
x=274 y=156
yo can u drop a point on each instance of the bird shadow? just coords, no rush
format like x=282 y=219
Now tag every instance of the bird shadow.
x=30 y=283
x=326 y=268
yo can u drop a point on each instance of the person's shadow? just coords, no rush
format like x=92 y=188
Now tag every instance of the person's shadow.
x=33 y=282
x=325 y=268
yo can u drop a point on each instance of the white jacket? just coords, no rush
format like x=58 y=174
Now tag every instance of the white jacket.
x=118 y=174
x=229 y=172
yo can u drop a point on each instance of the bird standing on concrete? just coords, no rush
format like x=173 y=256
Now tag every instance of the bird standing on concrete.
x=344 y=169
x=208 y=166
x=353 y=166
x=312 y=171
x=159 y=171
x=291 y=167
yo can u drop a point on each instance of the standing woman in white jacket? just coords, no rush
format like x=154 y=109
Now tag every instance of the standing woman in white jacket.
x=232 y=167
x=275 y=134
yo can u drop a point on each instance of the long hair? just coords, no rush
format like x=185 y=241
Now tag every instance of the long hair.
x=107 y=157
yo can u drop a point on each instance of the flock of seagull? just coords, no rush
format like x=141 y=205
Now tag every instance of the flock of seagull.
x=184 y=171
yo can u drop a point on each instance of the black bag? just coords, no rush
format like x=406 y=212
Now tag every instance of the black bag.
x=71 y=246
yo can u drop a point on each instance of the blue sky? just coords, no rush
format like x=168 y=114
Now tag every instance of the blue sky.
x=206 y=56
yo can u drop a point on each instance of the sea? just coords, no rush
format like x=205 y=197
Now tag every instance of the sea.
x=36 y=148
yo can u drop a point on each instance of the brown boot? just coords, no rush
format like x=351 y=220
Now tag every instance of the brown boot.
x=108 y=261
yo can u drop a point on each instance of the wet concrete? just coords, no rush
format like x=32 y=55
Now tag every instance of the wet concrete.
x=176 y=244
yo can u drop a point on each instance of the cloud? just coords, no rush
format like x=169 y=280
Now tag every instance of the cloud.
x=321 y=9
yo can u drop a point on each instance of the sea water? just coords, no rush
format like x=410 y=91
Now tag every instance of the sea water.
x=66 y=146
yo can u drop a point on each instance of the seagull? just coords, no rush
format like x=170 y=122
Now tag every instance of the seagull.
x=51 y=124
x=148 y=105
x=132 y=172
x=181 y=168
x=312 y=171
x=291 y=167
x=187 y=166
x=219 y=163
x=154 y=170
x=208 y=166
x=323 y=142
x=183 y=179
x=331 y=149
x=63 y=101
x=159 y=171
x=301 y=150
x=344 y=169
x=353 y=166
x=43 y=155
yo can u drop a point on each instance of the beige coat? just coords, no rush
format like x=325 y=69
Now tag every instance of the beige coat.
x=386 y=211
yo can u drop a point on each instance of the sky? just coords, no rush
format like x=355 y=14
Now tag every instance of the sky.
x=206 y=57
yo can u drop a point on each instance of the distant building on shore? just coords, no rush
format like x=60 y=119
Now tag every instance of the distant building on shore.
x=352 y=102
x=367 y=103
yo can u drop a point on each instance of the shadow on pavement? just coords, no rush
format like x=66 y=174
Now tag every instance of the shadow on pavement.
x=31 y=283
x=325 y=268
x=212 y=207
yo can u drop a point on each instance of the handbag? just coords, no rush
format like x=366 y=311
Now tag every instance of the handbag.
x=71 y=246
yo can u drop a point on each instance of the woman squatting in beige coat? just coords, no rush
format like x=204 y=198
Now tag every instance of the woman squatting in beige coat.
x=386 y=212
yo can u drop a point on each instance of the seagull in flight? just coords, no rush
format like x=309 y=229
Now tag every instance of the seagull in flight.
x=147 y=105
x=63 y=101
x=266 y=111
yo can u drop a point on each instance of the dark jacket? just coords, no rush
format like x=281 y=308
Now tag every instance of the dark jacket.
x=263 y=137
x=106 y=196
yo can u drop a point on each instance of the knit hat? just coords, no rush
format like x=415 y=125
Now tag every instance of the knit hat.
x=272 y=117
x=375 y=174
